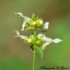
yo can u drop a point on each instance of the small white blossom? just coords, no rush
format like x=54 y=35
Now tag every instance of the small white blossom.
x=47 y=40
x=57 y=40
x=26 y=20
x=46 y=25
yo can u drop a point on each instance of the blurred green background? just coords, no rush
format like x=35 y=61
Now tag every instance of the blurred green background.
x=14 y=55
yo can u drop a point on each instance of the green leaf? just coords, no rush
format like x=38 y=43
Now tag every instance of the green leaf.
x=28 y=28
x=39 y=51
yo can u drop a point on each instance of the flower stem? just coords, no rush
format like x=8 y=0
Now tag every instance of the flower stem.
x=34 y=59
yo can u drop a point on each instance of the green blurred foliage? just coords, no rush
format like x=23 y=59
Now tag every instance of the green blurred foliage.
x=57 y=12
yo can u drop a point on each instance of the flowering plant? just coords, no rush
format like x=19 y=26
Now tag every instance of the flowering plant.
x=38 y=41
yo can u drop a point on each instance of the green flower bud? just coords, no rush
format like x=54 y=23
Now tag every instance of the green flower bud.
x=38 y=41
x=39 y=23
x=32 y=23
x=29 y=40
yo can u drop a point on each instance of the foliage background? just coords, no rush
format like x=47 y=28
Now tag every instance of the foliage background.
x=14 y=55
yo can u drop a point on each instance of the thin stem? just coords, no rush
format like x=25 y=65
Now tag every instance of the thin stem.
x=34 y=59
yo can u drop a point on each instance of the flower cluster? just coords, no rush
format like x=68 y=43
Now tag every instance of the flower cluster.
x=37 y=41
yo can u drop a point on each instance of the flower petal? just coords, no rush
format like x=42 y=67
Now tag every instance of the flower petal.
x=45 y=44
x=18 y=34
x=40 y=35
x=47 y=39
x=23 y=37
x=57 y=40
x=23 y=25
x=20 y=14
x=44 y=38
x=27 y=19
x=46 y=25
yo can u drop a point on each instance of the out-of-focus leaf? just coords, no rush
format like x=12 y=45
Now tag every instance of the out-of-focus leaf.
x=39 y=51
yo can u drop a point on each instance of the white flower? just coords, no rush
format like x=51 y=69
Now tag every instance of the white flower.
x=47 y=40
x=44 y=38
x=57 y=40
x=26 y=20
x=46 y=25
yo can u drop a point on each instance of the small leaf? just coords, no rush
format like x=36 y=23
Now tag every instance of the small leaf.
x=39 y=51
x=28 y=28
